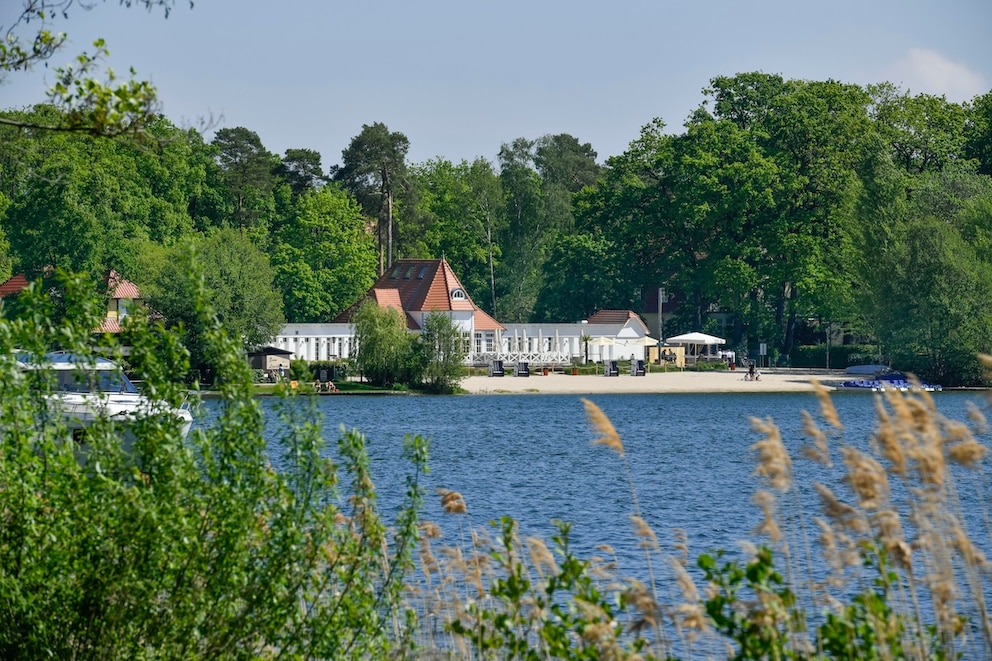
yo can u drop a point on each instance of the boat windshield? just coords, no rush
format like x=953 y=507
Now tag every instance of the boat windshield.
x=108 y=381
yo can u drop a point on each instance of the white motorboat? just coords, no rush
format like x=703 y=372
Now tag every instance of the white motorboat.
x=86 y=389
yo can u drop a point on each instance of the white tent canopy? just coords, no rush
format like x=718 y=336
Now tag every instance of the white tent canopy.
x=696 y=338
x=696 y=344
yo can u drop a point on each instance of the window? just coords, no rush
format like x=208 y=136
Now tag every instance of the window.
x=458 y=294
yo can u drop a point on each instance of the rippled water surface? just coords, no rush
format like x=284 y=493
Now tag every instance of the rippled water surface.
x=530 y=457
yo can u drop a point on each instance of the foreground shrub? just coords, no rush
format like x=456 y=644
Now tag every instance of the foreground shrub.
x=186 y=549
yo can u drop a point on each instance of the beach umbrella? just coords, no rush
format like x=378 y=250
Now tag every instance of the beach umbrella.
x=602 y=341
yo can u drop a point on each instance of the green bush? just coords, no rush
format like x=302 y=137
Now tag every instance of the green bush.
x=841 y=356
x=189 y=548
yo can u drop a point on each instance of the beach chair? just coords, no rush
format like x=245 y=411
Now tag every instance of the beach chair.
x=637 y=368
x=523 y=369
x=496 y=368
x=611 y=369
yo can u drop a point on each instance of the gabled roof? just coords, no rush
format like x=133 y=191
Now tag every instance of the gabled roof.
x=614 y=317
x=422 y=285
x=121 y=288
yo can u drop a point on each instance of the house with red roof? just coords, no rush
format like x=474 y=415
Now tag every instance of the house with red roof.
x=414 y=287
x=124 y=295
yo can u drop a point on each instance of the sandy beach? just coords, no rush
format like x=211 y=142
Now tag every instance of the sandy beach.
x=773 y=380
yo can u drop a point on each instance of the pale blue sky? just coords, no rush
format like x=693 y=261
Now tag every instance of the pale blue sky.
x=460 y=78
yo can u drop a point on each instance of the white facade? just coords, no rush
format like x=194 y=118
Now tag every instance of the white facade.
x=316 y=341
x=538 y=344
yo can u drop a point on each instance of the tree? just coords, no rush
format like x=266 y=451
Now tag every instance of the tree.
x=384 y=345
x=92 y=106
x=581 y=276
x=935 y=319
x=374 y=170
x=444 y=347
x=326 y=258
x=461 y=206
x=238 y=284
x=87 y=204
x=301 y=169
x=978 y=132
x=248 y=168
x=924 y=132
x=523 y=239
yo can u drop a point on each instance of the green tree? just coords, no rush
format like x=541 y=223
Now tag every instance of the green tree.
x=523 y=239
x=929 y=285
x=302 y=170
x=445 y=348
x=384 y=347
x=924 y=132
x=460 y=207
x=326 y=259
x=91 y=204
x=583 y=274
x=374 y=170
x=238 y=284
x=978 y=132
x=248 y=168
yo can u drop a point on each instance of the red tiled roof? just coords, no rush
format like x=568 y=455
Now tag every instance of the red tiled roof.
x=121 y=288
x=13 y=285
x=109 y=325
x=422 y=285
x=614 y=317
x=387 y=298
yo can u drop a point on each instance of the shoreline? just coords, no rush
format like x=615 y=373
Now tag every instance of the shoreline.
x=775 y=380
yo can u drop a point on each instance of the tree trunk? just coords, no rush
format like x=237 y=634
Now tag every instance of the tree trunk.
x=389 y=229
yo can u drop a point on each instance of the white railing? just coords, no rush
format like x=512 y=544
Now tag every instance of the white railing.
x=535 y=358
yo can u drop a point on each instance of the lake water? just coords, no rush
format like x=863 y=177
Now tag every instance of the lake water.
x=690 y=460
x=530 y=457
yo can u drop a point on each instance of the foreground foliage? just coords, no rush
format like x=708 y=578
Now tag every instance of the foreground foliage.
x=187 y=549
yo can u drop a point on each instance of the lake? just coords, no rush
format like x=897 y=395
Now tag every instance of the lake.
x=690 y=461
x=530 y=457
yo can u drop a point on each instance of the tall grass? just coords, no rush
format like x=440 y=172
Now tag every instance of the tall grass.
x=884 y=569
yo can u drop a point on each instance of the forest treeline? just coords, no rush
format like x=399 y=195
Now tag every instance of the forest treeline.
x=795 y=207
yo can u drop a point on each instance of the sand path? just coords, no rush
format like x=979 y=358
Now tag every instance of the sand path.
x=772 y=380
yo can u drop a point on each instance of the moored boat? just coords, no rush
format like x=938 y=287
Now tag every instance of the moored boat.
x=86 y=389
x=889 y=381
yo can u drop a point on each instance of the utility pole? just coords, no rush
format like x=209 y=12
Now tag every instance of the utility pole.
x=661 y=314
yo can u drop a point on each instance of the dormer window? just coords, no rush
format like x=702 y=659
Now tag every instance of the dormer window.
x=458 y=294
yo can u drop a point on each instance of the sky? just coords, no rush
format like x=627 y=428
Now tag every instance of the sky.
x=460 y=77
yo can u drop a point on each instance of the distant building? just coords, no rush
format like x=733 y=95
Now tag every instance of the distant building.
x=414 y=287
x=417 y=287
x=124 y=295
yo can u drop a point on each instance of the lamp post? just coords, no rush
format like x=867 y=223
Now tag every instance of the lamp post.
x=584 y=338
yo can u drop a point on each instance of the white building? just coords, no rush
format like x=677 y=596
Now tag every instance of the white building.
x=417 y=287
